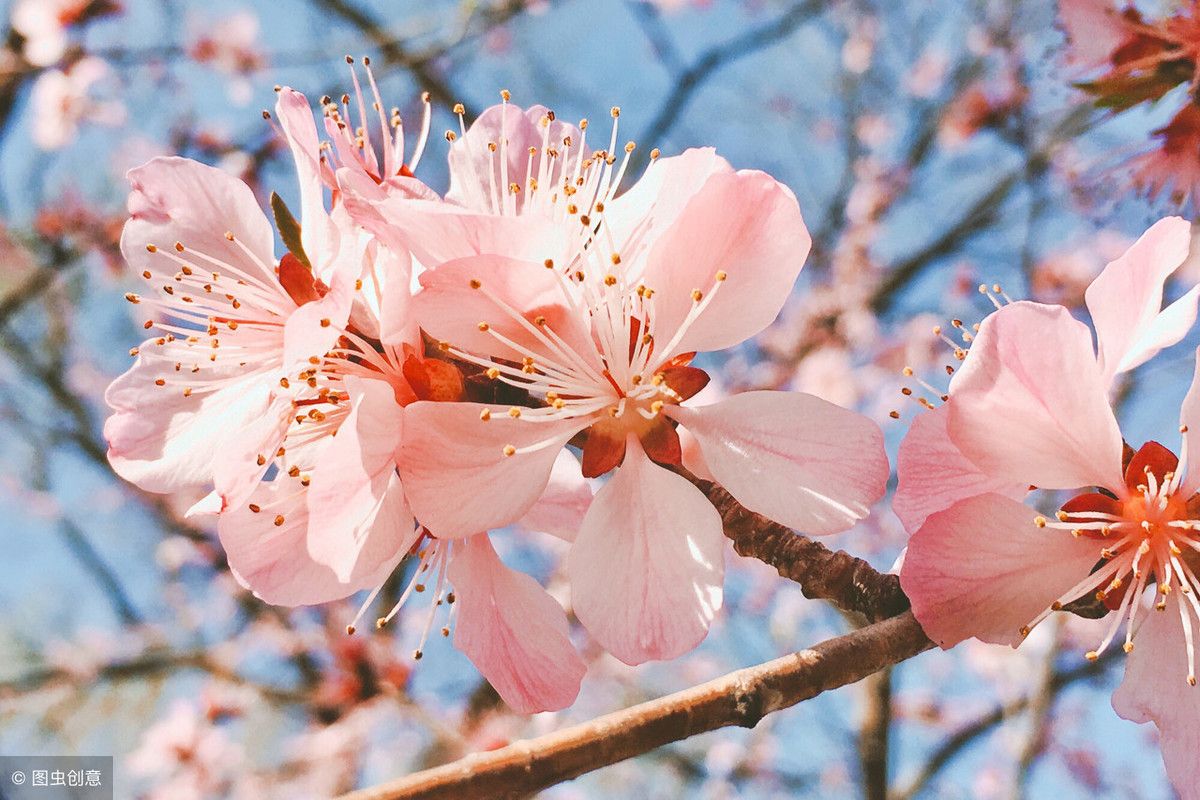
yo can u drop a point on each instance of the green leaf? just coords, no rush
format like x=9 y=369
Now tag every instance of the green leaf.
x=289 y=230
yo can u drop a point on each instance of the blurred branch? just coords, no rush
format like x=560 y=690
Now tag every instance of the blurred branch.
x=741 y=698
x=148 y=664
x=969 y=733
x=710 y=61
x=396 y=52
x=874 y=734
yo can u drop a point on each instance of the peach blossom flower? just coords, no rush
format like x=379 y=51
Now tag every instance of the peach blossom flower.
x=594 y=305
x=1030 y=407
x=62 y=101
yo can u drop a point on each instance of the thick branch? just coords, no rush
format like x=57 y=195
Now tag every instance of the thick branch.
x=850 y=583
x=740 y=698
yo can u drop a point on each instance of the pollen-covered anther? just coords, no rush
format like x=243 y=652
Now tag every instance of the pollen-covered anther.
x=485 y=415
x=610 y=280
x=475 y=283
x=493 y=373
x=1091 y=655
x=484 y=327
x=697 y=295
x=279 y=520
x=1039 y=521
x=514 y=412
x=509 y=450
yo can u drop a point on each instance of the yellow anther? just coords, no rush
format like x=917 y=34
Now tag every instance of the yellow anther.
x=509 y=450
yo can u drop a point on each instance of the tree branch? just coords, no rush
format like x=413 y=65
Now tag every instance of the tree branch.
x=740 y=698
x=850 y=583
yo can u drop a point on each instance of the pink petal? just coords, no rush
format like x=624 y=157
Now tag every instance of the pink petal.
x=793 y=457
x=436 y=232
x=1125 y=300
x=163 y=441
x=272 y=560
x=641 y=214
x=561 y=508
x=647 y=567
x=1155 y=689
x=317 y=232
x=1189 y=418
x=745 y=225
x=249 y=451
x=352 y=478
x=449 y=309
x=983 y=569
x=479 y=179
x=1030 y=403
x=513 y=631
x=180 y=200
x=1094 y=30
x=314 y=328
x=934 y=474
x=456 y=474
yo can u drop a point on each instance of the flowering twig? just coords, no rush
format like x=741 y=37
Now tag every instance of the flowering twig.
x=741 y=698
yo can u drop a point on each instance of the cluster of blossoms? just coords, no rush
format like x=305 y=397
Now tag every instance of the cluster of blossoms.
x=1126 y=60
x=414 y=372
x=1029 y=415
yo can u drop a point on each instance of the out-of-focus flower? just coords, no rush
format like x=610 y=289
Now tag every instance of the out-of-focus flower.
x=1173 y=168
x=61 y=101
x=43 y=24
x=594 y=305
x=230 y=45
x=1062 y=277
x=928 y=73
x=185 y=756
x=1030 y=408
x=70 y=220
x=982 y=104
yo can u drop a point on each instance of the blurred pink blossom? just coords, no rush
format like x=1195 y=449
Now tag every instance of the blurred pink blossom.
x=61 y=102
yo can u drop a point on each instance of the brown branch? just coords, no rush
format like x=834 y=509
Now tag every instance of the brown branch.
x=713 y=59
x=874 y=734
x=393 y=50
x=850 y=583
x=741 y=698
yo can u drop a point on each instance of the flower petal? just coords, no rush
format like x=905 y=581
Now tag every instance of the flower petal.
x=1155 y=689
x=745 y=225
x=317 y=231
x=513 y=631
x=480 y=178
x=647 y=567
x=351 y=478
x=180 y=200
x=437 y=232
x=267 y=552
x=934 y=474
x=793 y=457
x=983 y=569
x=162 y=440
x=561 y=508
x=1189 y=423
x=1125 y=300
x=1030 y=404
x=456 y=474
x=451 y=309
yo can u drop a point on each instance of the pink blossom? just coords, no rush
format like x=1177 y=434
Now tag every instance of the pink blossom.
x=1030 y=407
x=43 y=24
x=594 y=304
x=230 y=45
x=263 y=361
x=62 y=101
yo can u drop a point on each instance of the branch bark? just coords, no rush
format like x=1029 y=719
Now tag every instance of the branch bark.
x=849 y=583
x=740 y=698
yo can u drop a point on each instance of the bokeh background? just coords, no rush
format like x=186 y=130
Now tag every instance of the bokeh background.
x=933 y=145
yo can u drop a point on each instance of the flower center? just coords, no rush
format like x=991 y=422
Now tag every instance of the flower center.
x=1149 y=535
